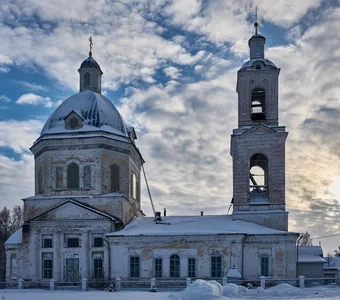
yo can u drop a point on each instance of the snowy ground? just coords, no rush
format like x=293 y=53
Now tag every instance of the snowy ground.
x=199 y=290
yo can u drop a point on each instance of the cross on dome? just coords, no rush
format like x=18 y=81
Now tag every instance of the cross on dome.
x=91 y=43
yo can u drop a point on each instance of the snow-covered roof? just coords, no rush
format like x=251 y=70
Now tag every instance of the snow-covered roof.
x=193 y=225
x=97 y=112
x=310 y=254
x=252 y=62
x=15 y=238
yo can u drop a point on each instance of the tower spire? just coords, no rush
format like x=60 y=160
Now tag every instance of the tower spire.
x=91 y=43
x=256 y=24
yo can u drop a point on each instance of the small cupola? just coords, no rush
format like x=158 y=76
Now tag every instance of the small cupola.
x=256 y=43
x=90 y=73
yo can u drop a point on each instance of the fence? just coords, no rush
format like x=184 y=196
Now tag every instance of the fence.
x=164 y=284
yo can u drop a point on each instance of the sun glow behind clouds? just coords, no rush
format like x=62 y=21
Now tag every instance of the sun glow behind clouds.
x=334 y=188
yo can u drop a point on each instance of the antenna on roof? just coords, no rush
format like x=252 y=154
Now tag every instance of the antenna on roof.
x=256 y=24
x=91 y=43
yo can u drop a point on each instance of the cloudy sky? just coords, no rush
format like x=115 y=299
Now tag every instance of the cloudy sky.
x=170 y=68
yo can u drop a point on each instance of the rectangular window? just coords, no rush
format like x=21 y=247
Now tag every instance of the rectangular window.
x=47 y=242
x=59 y=178
x=216 y=266
x=98 y=270
x=134 y=266
x=87 y=177
x=191 y=267
x=13 y=266
x=158 y=267
x=47 y=265
x=72 y=242
x=264 y=266
x=98 y=241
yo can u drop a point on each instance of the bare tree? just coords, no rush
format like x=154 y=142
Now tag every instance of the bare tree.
x=9 y=223
x=305 y=239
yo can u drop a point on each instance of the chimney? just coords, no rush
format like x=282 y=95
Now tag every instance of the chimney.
x=164 y=212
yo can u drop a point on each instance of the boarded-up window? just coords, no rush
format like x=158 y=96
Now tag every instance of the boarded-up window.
x=87 y=177
x=59 y=178
x=87 y=79
x=14 y=266
x=40 y=181
x=115 y=176
x=73 y=176
x=134 y=186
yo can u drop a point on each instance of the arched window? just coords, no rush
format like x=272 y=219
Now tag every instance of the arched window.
x=258 y=101
x=72 y=176
x=134 y=186
x=174 y=266
x=258 y=180
x=87 y=79
x=115 y=178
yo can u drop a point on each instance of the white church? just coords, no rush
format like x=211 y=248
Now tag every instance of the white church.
x=85 y=219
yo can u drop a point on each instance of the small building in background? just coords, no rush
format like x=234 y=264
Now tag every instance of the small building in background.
x=310 y=261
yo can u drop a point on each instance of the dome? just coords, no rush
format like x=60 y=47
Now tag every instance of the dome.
x=90 y=62
x=252 y=63
x=85 y=112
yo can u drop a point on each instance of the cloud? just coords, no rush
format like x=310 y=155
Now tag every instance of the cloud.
x=31 y=86
x=4 y=70
x=5 y=99
x=33 y=99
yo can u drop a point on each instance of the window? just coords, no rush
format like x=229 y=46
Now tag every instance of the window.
x=47 y=241
x=134 y=266
x=98 y=241
x=98 y=270
x=258 y=184
x=258 y=100
x=115 y=176
x=216 y=266
x=87 y=177
x=72 y=242
x=87 y=79
x=174 y=266
x=59 y=178
x=47 y=265
x=134 y=186
x=158 y=267
x=40 y=181
x=72 y=176
x=14 y=266
x=264 y=266
x=191 y=267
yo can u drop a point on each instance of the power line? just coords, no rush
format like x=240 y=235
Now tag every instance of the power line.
x=325 y=236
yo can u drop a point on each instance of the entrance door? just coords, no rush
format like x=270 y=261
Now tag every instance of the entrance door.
x=72 y=269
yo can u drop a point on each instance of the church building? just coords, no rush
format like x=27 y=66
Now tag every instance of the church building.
x=85 y=219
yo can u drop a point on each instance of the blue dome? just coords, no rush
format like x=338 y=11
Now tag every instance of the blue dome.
x=90 y=62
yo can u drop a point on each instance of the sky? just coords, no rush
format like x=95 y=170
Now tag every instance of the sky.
x=170 y=68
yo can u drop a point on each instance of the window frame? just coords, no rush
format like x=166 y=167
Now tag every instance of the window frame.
x=134 y=267
x=98 y=271
x=45 y=244
x=158 y=264
x=70 y=244
x=95 y=241
x=115 y=178
x=72 y=176
x=175 y=266
x=191 y=267
x=47 y=270
x=264 y=266
x=216 y=266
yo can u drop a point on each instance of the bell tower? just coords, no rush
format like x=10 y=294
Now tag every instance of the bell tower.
x=258 y=144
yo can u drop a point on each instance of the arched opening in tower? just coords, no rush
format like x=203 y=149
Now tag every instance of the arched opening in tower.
x=258 y=179
x=258 y=100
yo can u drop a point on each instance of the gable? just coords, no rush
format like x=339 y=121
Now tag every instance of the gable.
x=70 y=211
x=259 y=129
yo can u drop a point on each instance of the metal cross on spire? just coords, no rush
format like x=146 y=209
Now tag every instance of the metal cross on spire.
x=90 y=40
x=256 y=24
